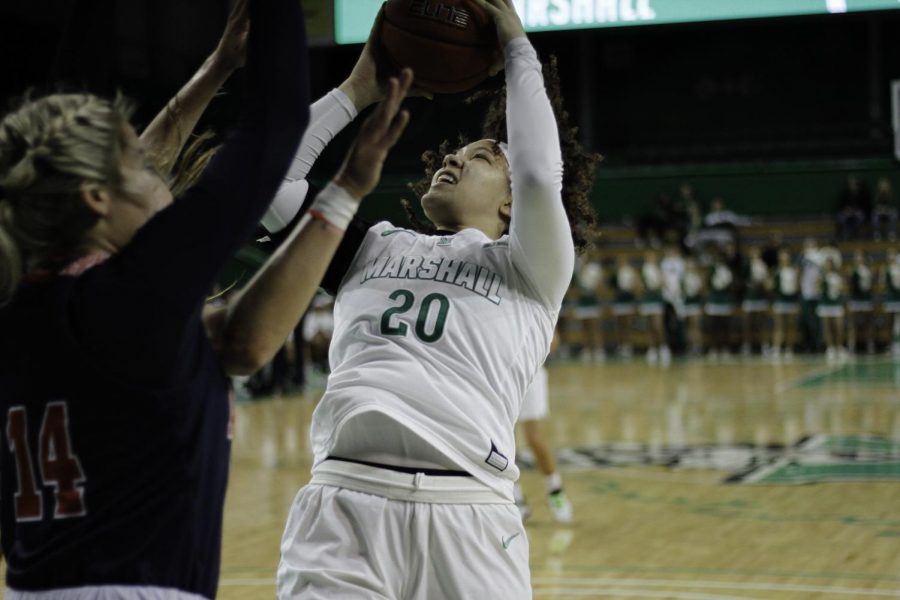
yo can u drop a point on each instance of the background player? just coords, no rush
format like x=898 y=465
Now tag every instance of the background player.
x=534 y=412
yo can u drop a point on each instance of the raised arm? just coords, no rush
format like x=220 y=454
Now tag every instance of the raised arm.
x=328 y=116
x=540 y=235
x=267 y=310
x=186 y=244
x=166 y=271
x=167 y=133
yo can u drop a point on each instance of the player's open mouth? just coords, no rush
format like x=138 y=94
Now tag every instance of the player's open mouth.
x=446 y=177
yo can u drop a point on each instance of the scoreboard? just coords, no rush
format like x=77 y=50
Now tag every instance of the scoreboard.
x=354 y=18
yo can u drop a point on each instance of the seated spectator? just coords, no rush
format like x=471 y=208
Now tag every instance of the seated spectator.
x=653 y=226
x=719 y=216
x=719 y=227
x=854 y=205
x=691 y=208
x=884 y=211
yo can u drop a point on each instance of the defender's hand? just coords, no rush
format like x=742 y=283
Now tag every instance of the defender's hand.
x=231 y=53
x=361 y=170
x=366 y=83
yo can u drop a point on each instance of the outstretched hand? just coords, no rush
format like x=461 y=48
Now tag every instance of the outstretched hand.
x=366 y=83
x=231 y=53
x=361 y=170
x=509 y=26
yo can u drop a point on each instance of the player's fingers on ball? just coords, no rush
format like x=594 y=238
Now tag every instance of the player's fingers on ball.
x=388 y=107
x=487 y=6
x=406 y=84
x=396 y=129
x=396 y=93
x=406 y=79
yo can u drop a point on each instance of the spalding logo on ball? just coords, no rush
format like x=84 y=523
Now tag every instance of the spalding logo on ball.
x=449 y=44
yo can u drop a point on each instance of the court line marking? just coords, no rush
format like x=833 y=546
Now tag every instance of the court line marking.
x=665 y=583
x=595 y=592
x=798 y=381
x=552 y=591
x=721 y=572
x=725 y=585
x=689 y=477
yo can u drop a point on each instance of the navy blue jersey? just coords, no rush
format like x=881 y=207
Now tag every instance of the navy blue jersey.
x=105 y=481
x=114 y=410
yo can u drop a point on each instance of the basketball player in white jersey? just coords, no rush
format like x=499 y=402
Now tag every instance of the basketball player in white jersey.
x=436 y=340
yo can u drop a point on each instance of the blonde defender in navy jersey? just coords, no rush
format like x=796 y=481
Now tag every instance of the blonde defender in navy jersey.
x=114 y=404
x=437 y=337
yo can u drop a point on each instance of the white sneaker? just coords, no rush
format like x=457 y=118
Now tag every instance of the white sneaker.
x=560 y=507
x=652 y=357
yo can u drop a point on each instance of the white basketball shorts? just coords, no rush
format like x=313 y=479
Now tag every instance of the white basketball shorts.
x=345 y=544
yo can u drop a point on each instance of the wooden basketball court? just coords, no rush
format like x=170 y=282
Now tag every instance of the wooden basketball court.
x=645 y=454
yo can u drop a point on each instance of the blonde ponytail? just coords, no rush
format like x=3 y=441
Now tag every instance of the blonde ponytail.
x=48 y=149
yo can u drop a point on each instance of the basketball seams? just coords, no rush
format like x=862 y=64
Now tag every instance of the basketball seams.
x=426 y=36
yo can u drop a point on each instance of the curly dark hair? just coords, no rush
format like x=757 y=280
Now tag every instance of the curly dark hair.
x=579 y=164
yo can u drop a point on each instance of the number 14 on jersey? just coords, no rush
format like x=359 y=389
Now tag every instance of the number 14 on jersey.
x=58 y=466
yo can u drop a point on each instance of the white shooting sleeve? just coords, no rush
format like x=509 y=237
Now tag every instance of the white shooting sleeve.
x=328 y=116
x=540 y=237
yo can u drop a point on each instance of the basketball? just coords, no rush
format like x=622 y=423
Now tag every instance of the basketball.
x=449 y=44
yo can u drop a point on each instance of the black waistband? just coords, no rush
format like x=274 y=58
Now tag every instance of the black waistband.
x=410 y=470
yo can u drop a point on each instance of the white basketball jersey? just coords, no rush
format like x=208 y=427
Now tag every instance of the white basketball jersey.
x=442 y=335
